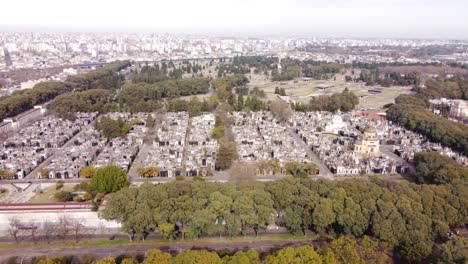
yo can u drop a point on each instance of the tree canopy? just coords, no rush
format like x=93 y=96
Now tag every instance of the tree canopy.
x=409 y=112
x=404 y=215
x=109 y=179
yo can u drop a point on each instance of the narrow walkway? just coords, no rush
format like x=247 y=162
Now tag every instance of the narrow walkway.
x=324 y=171
x=185 y=153
x=144 y=148
x=33 y=173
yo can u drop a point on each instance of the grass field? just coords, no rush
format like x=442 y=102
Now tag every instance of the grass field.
x=302 y=90
x=199 y=241
x=47 y=194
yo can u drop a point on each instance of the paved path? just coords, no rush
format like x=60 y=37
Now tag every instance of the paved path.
x=144 y=149
x=183 y=164
x=324 y=171
x=33 y=174
x=138 y=162
x=26 y=253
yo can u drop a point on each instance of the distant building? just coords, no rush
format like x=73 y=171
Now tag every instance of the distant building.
x=70 y=71
x=28 y=84
x=459 y=109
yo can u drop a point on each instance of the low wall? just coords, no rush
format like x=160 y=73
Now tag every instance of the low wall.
x=39 y=218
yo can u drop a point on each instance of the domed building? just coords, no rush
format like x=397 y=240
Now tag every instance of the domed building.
x=369 y=145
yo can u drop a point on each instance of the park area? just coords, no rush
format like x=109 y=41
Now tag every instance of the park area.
x=302 y=89
x=47 y=194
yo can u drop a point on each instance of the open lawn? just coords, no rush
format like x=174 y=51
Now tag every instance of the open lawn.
x=387 y=96
x=302 y=90
x=46 y=195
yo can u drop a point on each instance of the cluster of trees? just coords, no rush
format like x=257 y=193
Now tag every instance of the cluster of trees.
x=290 y=69
x=23 y=100
x=94 y=100
x=253 y=103
x=144 y=96
x=152 y=74
x=149 y=172
x=439 y=169
x=344 y=101
x=227 y=151
x=452 y=88
x=107 y=77
x=410 y=112
x=194 y=106
x=87 y=172
x=109 y=179
x=103 y=180
x=20 y=101
x=228 y=87
x=229 y=82
x=280 y=91
x=299 y=169
x=134 y=97
x=165 y=70
x=148 y=97
x=410 y=218
x=260 y=64
x=320 y=70
x=229 y=68
x=340 y=251
x=458 y=65
x=373 y=77
x=257 y=92
x=374 y=65
x=112 y=128
x=190 y=67
x=244 y=65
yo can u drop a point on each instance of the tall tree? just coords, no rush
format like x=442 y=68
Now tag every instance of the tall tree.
x=109 y=179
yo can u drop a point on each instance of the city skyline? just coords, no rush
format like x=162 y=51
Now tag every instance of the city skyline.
x=338 y=18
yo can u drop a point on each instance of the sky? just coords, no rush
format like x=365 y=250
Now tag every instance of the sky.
x=322 y=18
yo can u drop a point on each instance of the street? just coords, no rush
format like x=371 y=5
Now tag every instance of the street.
x=324 y=171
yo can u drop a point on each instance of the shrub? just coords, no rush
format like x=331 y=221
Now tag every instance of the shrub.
x=62 y=196
x=59 y=185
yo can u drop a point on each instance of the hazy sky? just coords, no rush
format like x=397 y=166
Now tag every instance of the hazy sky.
x=362 y=18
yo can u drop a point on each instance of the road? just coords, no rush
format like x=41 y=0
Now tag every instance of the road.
x=33 y=174
x=138 y=162
x=324 y=171
x=183 y=164
x=214 y=244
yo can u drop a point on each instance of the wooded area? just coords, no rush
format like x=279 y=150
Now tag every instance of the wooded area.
x=409 y=112
x=344 y=101
x=106 y=77
x=410 y=218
